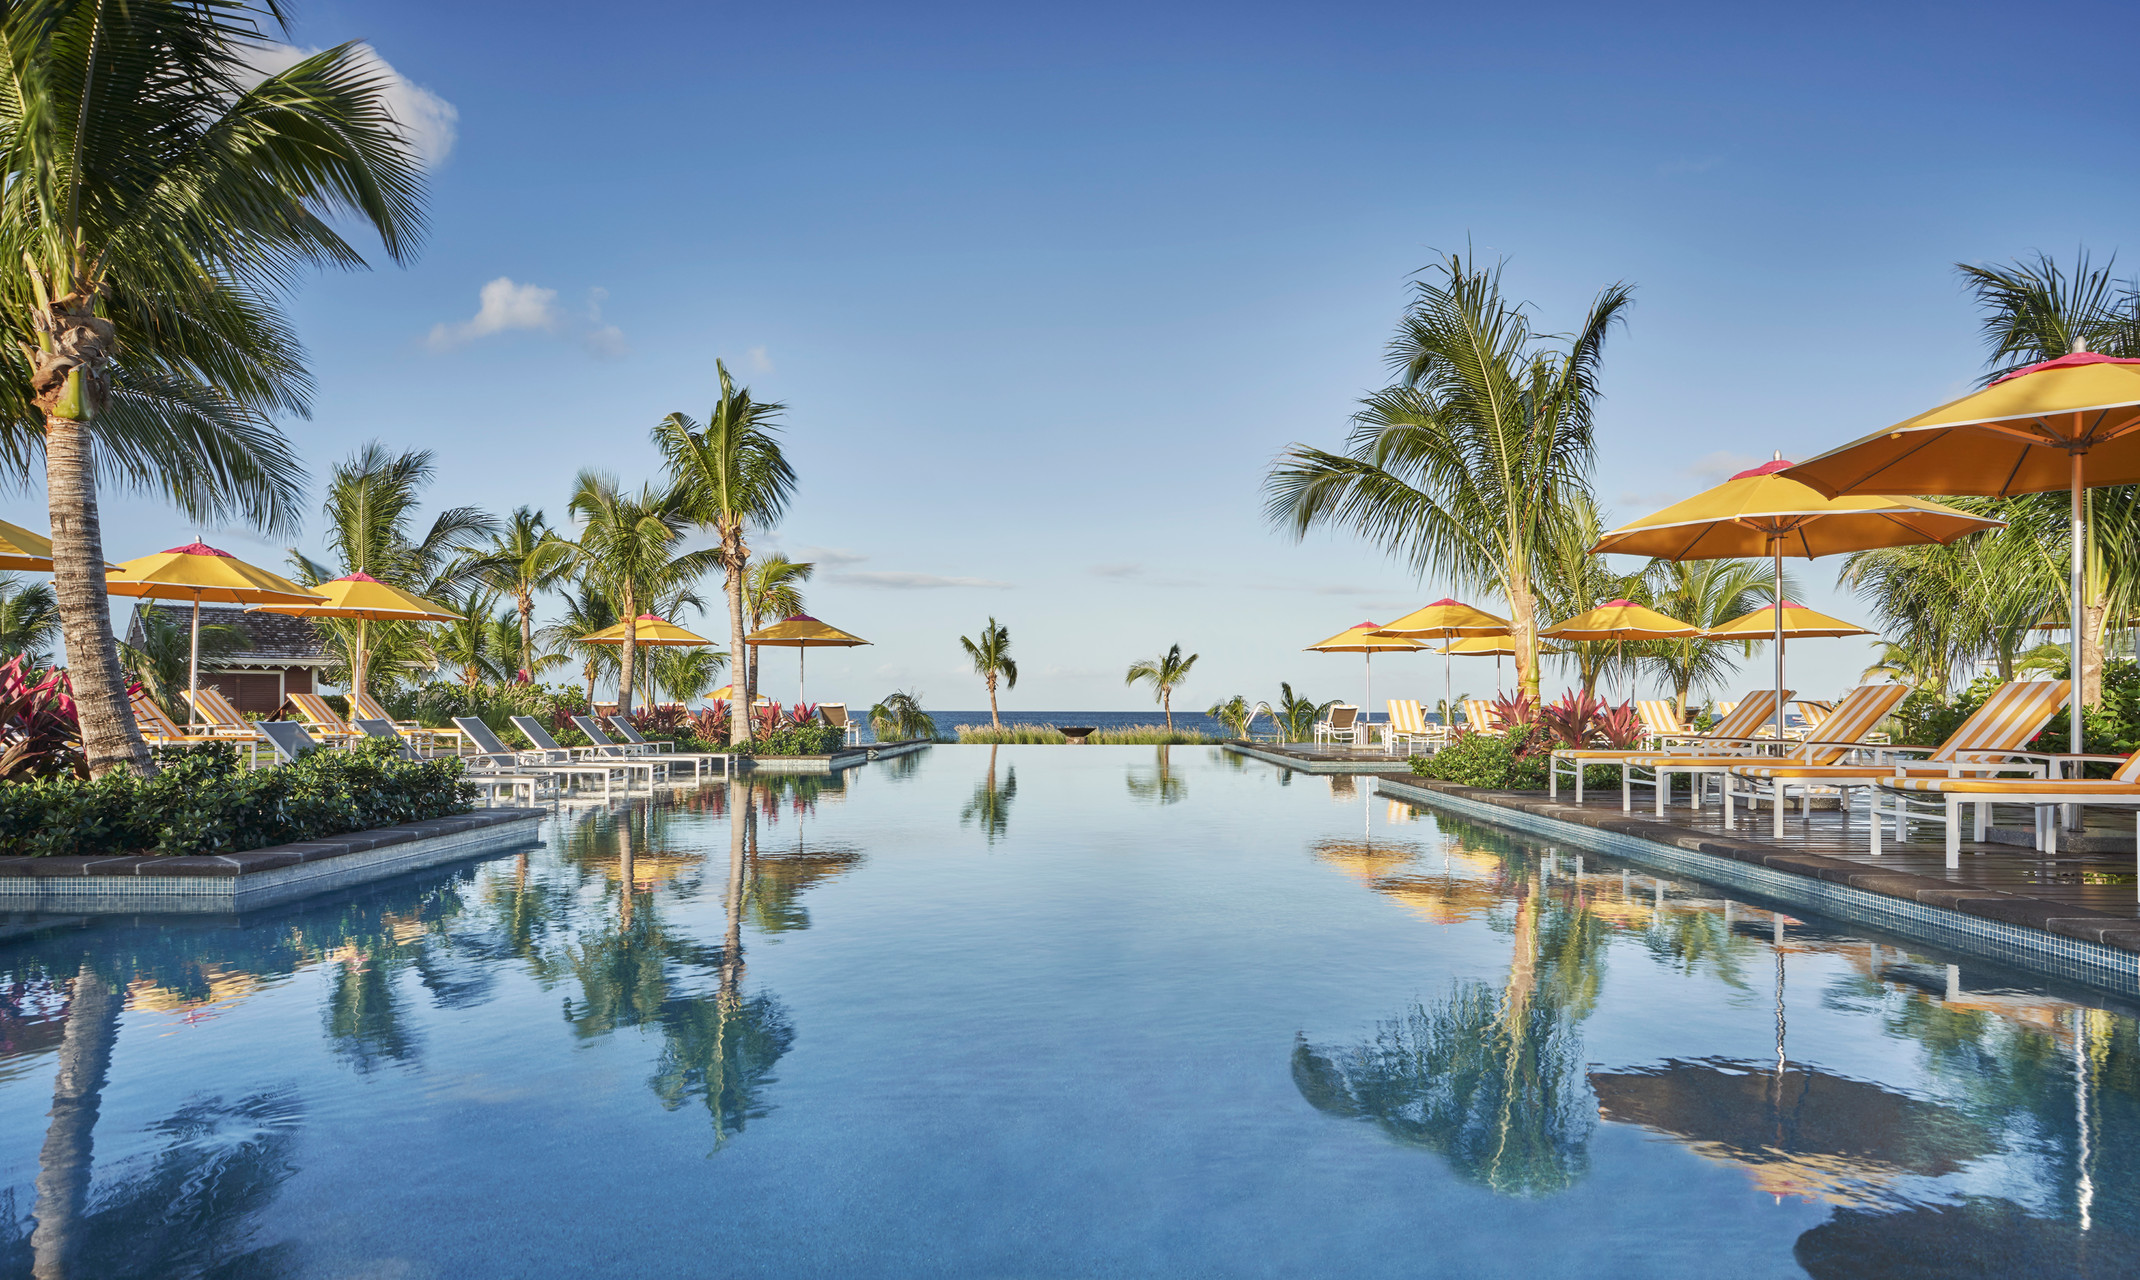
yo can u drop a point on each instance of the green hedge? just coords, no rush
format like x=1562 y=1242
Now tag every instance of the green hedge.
x=1501 y=764
x=203 y=801
x=794 y=740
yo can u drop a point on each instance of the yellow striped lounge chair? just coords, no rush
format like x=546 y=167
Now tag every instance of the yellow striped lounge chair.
x=223 y=718
x=2043 y=794
x=319 y=715
x=161 y=730
x=1988 y=743
x=1408 y=725
x=1813 y=712
x=1479 y=716
x=1660 y=718
x=1854 y=717
x=1734 y=734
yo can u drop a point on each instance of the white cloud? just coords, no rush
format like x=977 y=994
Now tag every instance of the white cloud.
x=606 y=342
x=429 y=122
x=759 y=361
x=899 y=581
x=504 y=306
x=829 y=557
x=1124 y=569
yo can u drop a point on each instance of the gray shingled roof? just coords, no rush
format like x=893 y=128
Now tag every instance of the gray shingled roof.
x=276 y=637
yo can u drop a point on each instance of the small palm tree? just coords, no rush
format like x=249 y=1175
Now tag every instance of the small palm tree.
x=29 y=621
x=772 y=589
x=900 y=717
x=1706 y=594
x=156 y=209
x=1163 y=674
x=992 y=661
x=1295 y=715
x=1235 y=713
x=587 y=612
x=162 y=661
x=523 y=559
x=735 y=477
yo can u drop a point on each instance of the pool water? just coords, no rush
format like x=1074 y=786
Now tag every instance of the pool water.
x=1048 y=1011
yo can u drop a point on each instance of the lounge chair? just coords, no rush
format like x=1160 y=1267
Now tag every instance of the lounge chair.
x=223 y=718
x=494 y=754
x=2044 y=795
x=1660 y=720
x=835 y=714
x=532 y=729
x=665 y=748
x=1733 y=735
x=1408 y=726
x=319 y=716
x=1854 y=718
x=161 y=731
x=364 y=704
x=289 y=739
x=1342 y=722
x=1988 y=743
x=488 y=779
x=1479 y=717
x=642 y=750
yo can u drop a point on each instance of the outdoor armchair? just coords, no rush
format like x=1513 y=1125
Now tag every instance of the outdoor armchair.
x=1342 y=722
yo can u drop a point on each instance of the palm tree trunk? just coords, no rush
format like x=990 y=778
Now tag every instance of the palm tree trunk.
x=739 y=723
x=1523 y=627
x=1166 y=702
x=2091 y=672
x=526 y=602
x=995 y=721
x=110 y=739
x=628 y=655
x=63 y=1166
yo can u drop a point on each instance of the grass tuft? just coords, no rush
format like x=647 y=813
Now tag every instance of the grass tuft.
x=1133 y=735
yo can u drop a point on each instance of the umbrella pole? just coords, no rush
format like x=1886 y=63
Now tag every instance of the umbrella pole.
x=802 y=683
x=2073 y=613
x=1448 y=689
x=1368 y=711
x=193 y=664
x=1776 y=546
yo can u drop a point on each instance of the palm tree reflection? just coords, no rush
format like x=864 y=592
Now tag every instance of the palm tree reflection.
x=991 y=805
x=1491 y=1079
x=1159 y=786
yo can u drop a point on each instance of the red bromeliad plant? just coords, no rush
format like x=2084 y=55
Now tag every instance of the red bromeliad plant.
x=1513 y=712
x=1580 y=719
x=40 y=729
x=1621 y=727
x=661 y=722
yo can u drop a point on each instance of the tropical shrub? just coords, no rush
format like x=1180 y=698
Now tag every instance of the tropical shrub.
x=40 y=736
x=203 y=801
x=1295 y=714
x=494 y=703
x=900 y=717
x=1497 y=762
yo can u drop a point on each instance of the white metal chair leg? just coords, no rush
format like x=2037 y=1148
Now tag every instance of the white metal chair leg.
x=1780 y=799
x=1954 y=833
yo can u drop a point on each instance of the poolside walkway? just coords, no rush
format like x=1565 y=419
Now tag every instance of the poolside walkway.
x=2090 y=896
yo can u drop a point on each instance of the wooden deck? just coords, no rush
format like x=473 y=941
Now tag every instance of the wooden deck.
x=2091 y=894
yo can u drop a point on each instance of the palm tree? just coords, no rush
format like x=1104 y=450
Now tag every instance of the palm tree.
x=772 y=589
x=1235 y=713
x=899 y=718
x=1705 y=593
x=159 y=209
x=523 y=559
x=1295 y=714
x=29 y=621
x=1465 y=466
x=161 y=662
x=587 y=611
x=992 y=661
x=482 y=644
x=1163 y=674
x=371 y=512
x=2033 y=310
x=627 y=547
x=1572 y=581
x=736 y=477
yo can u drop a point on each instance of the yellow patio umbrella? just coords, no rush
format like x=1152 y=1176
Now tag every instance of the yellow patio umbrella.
x=1368 y=639
x=1763 y=511
x=1447 y=619
x=1621 y=621
x=200 y=573
x=1496 y=647
x=22 y=551
x=649 y=629
x=2070 y=423
x=1797 y=623
x=729 y=693
x=802 y=633
x=364 y=598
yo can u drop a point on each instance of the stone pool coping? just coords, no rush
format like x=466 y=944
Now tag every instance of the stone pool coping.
x=2079 y=942
x=1304 y=762
x=832 y=762
x=226 y=882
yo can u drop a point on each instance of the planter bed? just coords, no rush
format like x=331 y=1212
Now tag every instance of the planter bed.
x=834 y=761
x=222 y=883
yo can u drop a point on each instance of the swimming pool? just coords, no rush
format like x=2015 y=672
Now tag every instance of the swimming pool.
x=1047 y=1011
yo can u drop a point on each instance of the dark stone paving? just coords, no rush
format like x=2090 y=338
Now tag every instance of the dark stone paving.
x=2087 y=895
x=282 y=855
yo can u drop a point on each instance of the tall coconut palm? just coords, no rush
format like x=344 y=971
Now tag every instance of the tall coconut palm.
x=1464 y=467
x=2033 y=310
x=372 y=528
x=628 y=547
x=29 y=621
x=1164 y=673
x=159 y=209
x=772 y=589
x=992 y=662
x=522 y=560
x=482 y=644
x=737 y=479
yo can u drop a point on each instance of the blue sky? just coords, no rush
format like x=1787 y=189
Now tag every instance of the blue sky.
x=1047 y=291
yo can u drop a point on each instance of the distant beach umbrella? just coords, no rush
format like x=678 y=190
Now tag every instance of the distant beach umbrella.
x=802 y=633
x=1367 y=639
x=1448 y=619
